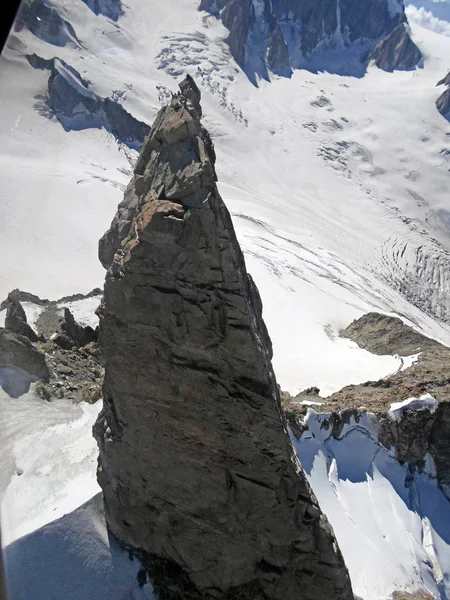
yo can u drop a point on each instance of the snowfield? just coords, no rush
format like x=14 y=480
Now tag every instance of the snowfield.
x=338 y=187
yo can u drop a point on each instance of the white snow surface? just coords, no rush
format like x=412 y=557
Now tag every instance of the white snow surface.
x=426 y=401
x=83 y=310
x=392 y=524
x=341 y=207
x=73 y=558
x=48 y=461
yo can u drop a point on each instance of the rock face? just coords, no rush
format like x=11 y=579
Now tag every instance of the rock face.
x=285 y=34
x=77 y=107
x=418 y=434
x=16 y=319
x=443 y=102
x=396 y=50
x=278 y=59
x=197 y=470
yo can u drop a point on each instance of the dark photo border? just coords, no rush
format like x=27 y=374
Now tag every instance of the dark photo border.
x=8 y=12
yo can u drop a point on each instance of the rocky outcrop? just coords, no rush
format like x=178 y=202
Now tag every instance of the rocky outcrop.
x=16 y=319
x=443 y=102
x=285 y=34
x=76 y=106
x=72 y=334
x=43 y=20
x=278 y=59
x=418 y=435
x=112 y=9
x=21 y=363
x=197 y=470
x=384 y=334
x=396 y=51
x=445 y=80
x=66 y=349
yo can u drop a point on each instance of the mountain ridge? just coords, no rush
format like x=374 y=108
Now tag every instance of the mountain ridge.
x=282 y=35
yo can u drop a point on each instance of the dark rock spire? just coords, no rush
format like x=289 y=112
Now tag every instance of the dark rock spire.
x=197 y=469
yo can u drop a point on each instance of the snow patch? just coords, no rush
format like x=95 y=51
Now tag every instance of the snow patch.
x=51 y=445
x=84 y=310
x=399 y=408
x=409 y=361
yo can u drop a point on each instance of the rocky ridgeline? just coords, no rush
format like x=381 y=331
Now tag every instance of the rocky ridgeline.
x=443 y=102
x=76 y=106
x=418 y=432
x=281 y=35
x=59 y=355
x=198 y=474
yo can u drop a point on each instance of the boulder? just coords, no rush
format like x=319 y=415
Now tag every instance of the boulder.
x=21 y=363
x=198 y=472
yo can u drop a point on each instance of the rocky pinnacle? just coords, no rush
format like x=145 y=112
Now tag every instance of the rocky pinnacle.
x=197 y=469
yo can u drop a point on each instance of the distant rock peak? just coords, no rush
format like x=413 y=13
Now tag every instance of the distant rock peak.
x=281 y=35
x=198 y=473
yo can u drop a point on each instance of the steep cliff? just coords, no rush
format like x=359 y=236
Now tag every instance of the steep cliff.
x=197 y=470
x=296 y=34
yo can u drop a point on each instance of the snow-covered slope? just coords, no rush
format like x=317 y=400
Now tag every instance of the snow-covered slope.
x=73 y=558
x=338 y=188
